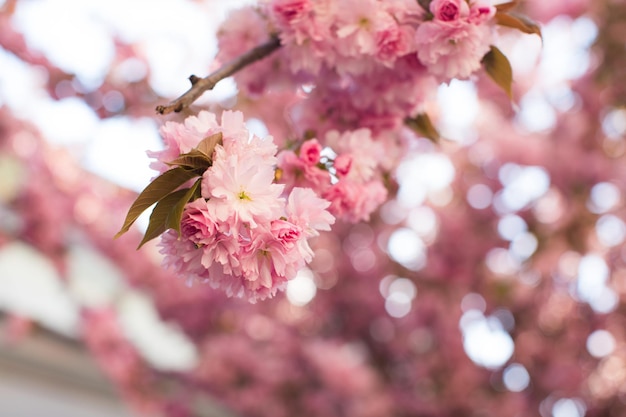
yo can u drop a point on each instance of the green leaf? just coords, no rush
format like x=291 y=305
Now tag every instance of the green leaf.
x=503 y=7
x=208 y=144
x=158 y=189
x=197 y=191
x=193 y=160
x=425 y=4
x=159 y=219
x=423 y=126
x=168 y=212
x=519 y=22
x=499 y=69
x=176 y=213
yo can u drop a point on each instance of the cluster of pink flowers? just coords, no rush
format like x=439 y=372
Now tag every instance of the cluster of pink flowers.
x=371 y=61
x=382 y=336
x=351 y=181
x=453 y=43
x=244 y=234
x=356 y=70
x=352 y=37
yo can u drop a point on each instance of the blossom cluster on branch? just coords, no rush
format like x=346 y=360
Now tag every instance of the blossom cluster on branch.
x=357 y=71
x=478 y=277
x=238 y=232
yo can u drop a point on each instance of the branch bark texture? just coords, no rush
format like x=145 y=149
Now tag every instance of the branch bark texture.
x=200 y=85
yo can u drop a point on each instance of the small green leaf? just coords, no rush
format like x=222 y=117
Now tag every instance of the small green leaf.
x=503 y=7
x=425 y=4
x=197 y=191
x=176 y=213
x=499 y=69
x=193 y=160
x=168 y=212
x=159 y=219
x=308 y=134
x=519 y=22
x=158 y=189
x=208 y=144
x=423 y=126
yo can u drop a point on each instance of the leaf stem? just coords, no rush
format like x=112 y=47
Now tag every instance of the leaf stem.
x=200 y=85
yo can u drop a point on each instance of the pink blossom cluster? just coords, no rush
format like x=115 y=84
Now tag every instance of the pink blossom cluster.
x=453 y=43
x=373 y=60
x=351 y=181
x=344 y=353
x=244 y=235
x=352 y=37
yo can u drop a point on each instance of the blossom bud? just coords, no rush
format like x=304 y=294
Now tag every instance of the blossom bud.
x=343 y=163
x=310 y=151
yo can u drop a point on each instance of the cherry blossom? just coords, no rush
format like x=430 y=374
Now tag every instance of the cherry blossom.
x=337 y=267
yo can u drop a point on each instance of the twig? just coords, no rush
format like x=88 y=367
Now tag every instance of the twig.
x=200 y=85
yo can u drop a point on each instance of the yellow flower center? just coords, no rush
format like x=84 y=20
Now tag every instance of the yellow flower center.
x=243 y=196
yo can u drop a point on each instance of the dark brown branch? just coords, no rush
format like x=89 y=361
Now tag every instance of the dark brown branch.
x=200 y=85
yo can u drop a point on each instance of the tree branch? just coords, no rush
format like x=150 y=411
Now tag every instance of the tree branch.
x=200 y=85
